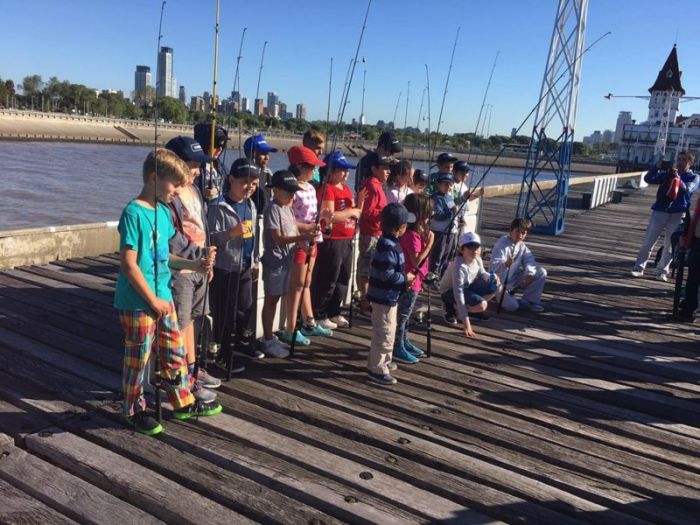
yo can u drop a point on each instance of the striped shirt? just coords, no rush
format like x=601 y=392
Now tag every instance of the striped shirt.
x=386 y=274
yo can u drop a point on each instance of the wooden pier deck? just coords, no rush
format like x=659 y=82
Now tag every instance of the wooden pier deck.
x=589 y=412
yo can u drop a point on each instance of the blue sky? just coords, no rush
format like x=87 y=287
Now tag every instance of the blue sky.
x=99 y=43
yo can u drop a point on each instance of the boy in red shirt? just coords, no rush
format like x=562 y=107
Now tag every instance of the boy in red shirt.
x=370 y=221
x=335 y=253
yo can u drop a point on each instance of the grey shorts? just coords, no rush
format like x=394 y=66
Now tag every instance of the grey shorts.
x=368 y=245
x=276 y=279
x=190 y=296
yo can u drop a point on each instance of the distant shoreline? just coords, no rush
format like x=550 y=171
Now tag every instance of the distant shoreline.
x=28 y=126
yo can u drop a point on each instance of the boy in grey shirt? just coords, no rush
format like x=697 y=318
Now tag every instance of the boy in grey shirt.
x=280 y=232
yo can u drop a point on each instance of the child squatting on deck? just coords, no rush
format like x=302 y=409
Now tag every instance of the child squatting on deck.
x=144 y=300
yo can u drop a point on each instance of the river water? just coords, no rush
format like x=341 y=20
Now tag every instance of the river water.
x=59 y=183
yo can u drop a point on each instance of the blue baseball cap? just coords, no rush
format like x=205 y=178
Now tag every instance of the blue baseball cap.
x=258 y=144
x=394 y=215
x=338 y=160
x=444 y=176
x=187 y=149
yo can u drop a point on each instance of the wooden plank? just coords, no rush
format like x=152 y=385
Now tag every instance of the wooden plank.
x=65 y=493
x=68 y=288
x=431 y=506
x=447 y=455
x=18 y=508
x=232 y=490
x=128 y=480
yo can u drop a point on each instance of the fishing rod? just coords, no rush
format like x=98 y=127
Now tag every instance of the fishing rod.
x=341 y=114
x=483 y=100
x=534 y=108
x=429 y=129
x=405 y=116
x=328 y=108
x=444 y=94
x=262 y=61
x=237 y=89
x=156 y=361
x=505 y=282
x=396 y=109
x=200 y=358
x=420 y=112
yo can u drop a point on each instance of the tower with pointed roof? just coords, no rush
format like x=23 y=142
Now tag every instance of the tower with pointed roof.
x=666 y=92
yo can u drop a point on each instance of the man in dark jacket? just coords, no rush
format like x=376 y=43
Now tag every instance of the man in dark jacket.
x=672 y=200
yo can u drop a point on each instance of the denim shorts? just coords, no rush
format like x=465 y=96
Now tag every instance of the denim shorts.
x=276 y=279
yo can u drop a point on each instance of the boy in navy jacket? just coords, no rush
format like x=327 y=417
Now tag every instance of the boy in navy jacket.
x=386 y=281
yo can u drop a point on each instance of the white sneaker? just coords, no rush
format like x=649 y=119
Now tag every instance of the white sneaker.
x=340 y=321
x=273 y=348
x=327 y=324
x=637 y=273
x=662 y=277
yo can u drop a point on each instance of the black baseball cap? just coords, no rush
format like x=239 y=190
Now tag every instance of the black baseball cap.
x=202 y=134
x=187 y=149
x=461 y=165
x=374 y=159
x=389 y=142
x=421 y=176
x=285 y=180
x=446 y=157
x=244 y=168
x=444 y=176
x=394 y=215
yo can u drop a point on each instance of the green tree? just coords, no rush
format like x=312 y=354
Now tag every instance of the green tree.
x=172 y=110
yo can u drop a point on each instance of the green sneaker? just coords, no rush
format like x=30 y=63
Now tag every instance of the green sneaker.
x=143 y=423
x=198 y=409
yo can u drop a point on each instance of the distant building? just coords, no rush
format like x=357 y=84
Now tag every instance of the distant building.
x=182 y=97
x=142 y=78
x=164 y=85
x=623 y=118
x=301 y=112
x=638 y=141
x=272 y=101
x=608 y=136
x=207 y=100
x=236 y=101
x=245 y=104
x=258 y=107
x=197 y=104
x=594 y=138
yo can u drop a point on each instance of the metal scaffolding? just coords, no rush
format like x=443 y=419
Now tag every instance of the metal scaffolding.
x=549 y=155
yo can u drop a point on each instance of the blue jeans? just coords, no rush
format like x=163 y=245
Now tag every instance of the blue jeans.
x=405 y=306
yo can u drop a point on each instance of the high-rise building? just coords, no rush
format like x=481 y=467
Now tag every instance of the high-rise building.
x=164 y=85
x=258 y=108
x=182 y=97
x=245 y=104
x=301 y=112
x=173 y=85
x=272 y=101
x=197 y=104
x=283 y=111
x=207 y=100
x=142 y=78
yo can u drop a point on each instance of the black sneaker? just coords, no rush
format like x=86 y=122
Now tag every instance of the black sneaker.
x=450 y=319
x=145 y=424
x=248 y=350
x=198 y=409
x=236 y=368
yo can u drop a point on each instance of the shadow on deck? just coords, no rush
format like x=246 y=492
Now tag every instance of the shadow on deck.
x=586 y=413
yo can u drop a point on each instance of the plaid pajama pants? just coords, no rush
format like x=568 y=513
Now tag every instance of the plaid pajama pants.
x=139 y=333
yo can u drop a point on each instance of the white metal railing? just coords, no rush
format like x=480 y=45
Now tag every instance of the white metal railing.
x=603 y=188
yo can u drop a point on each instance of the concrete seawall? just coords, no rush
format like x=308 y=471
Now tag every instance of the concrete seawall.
x=57 y=127
x=43 y=245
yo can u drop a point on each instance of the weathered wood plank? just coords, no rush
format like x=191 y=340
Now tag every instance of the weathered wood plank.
x=19 y=508
x=65 y=493
x=129 y=481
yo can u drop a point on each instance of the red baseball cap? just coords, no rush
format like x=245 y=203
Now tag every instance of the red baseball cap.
x=303 y=155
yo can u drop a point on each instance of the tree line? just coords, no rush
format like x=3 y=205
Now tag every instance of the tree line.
x=63 y=96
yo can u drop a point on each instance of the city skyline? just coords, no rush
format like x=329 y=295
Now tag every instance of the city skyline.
x=392 y=54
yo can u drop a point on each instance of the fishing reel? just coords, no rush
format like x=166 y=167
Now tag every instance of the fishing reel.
x=431 y=278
